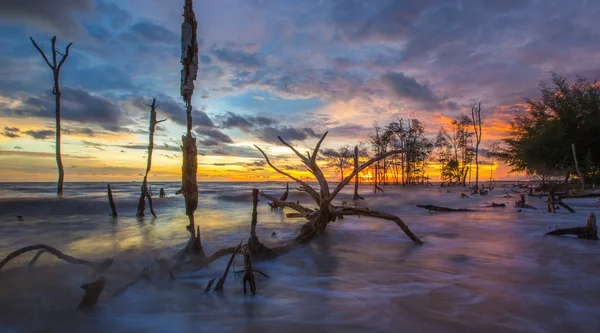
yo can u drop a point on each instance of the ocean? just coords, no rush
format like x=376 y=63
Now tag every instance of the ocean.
x=492 y=270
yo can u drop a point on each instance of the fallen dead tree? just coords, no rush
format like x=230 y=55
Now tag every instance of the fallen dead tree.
x=100 y=266
x=580 y=196
x=553 y=201
x=590 y=231
x=432 y=208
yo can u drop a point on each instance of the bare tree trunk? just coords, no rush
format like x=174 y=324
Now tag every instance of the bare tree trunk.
x=577 y=167
x=189 y=60
x=356 y=180
x=144 y=190
x=56 y=66
x=111 y=202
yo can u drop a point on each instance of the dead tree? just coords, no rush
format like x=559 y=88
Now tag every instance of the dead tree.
x=579 y=174
x=189 y=181
x=590 y=231
x=356 y=179
x=144 y=189
x=111 y=202
x=326 y=213
x=476 y=117
x=55 y=66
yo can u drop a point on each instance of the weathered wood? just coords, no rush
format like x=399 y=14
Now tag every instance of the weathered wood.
x=111 y=202
x=249 y=274
x=143 y=275
x=284 y=197
x=56 y=66
x=100 y=267
x=92 y=293
x=496 y=205
x=189 y=181
x=444 y=209
x=356 y=178
x=36 y=257
x=222 y=279
x=210 y=283
x=551 y=202
x=590 y=231
x=144 y=189
x=464 y=196
x=522 y=204
x=580 y=196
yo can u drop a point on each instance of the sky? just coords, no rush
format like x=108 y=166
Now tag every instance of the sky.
x=268 y=68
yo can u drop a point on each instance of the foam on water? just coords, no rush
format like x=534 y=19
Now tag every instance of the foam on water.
x=490 y=270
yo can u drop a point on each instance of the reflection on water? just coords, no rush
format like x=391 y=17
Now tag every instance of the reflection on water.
x=490 y=270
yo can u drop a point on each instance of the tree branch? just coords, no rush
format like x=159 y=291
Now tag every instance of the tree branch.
x=65 y=56
x=72 y=260
x=42 y=53
x=309 y=189
x=341 y=211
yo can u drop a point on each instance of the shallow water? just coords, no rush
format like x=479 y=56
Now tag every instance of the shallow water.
x=490 y=270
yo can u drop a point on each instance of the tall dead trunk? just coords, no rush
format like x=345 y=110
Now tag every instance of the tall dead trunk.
x=189 y=186
x=356 y=180
x=476 y=117
x=144 y=190
x=577 y=167
x=55 y=66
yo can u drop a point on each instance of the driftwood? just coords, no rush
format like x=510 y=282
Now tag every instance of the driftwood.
x=590 y=231
x=144 y=190
x=255 y=247
x=284 y=197
x=551 y=208
x=433 y=208
x=100 y=267
x=144 y=275
x=522 y=204
x=580 y=196
x=248 y=274
x=464 y=196
x=496 y=205
x=55 y=67
x=356 y=179
x=189 y=181
x=92 y=293
x=111 y=202
x=222 y=279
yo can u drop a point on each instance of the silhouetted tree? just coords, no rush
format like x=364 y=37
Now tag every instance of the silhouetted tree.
x=55 y=66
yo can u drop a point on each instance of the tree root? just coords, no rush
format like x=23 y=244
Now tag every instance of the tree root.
x=100 y=267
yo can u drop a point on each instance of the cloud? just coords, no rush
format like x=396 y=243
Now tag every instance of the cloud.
x=211 y=136
x=239 y=58
x=56 y=16
x=270 y=133
x=175 y=112
x=244 y=122
x=149 y=32
x=11 y=132
x=40 y=134
x=76 y=105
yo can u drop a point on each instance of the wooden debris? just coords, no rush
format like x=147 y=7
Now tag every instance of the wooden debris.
x=36 y=257
x=210 y=283
x=100 y=267
x=284 y=197
x=580 y=196
x=464 y=196
x=590 y=231
x=496 y=205
x=222 y=279
x=111 y=202
x=249 y=275
x=92 y=293
x=522 y=204
x=433 y=208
